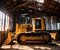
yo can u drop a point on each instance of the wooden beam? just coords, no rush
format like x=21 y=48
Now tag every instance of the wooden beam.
x=20 y=5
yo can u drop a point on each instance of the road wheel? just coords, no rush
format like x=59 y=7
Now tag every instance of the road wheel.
x=21 y=38
x=46 y=37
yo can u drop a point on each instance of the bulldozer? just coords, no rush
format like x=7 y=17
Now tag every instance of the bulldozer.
x=31 y=33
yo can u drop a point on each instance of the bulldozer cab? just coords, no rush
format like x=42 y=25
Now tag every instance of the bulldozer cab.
x=38 y=24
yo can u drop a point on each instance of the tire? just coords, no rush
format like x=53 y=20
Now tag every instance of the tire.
x=21 y=38
x=46 y=38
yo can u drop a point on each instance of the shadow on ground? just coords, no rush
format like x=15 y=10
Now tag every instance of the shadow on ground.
x=39 y=46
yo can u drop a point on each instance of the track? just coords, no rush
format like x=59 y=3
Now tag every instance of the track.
x=33 y=38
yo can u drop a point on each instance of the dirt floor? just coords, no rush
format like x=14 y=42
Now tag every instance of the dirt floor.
x=54 y=46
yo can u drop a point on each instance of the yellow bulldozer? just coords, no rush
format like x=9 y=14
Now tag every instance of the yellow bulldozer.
x=31 y=33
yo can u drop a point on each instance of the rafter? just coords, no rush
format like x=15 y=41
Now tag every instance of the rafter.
x=20 y=5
